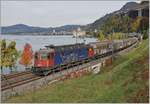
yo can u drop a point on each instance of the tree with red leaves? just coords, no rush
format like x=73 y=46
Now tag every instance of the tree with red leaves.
x=27 y=55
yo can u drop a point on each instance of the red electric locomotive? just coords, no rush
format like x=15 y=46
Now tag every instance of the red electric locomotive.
x=57 y=55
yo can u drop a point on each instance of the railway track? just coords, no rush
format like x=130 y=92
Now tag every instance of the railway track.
x=13 y=80
x=16 y=81
x=9 y=76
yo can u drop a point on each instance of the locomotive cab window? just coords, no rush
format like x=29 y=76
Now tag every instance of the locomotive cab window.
x=48 y=56
x=43 y=56
x=36 y=55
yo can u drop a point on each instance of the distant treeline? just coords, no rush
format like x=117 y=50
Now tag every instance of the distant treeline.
x=124 y=24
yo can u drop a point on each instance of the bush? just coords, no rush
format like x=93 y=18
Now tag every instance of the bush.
x=145 y=34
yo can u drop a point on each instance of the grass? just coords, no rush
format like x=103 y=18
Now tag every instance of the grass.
x=124 y=81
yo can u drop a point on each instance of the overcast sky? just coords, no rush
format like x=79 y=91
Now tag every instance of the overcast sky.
x=55 y=13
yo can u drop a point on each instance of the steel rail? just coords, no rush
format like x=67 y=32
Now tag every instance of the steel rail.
x=16 y=79
x=9 y=76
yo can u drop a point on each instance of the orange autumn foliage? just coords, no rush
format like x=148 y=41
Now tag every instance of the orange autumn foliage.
x=27 y=55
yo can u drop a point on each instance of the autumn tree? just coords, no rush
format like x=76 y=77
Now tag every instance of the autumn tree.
x=109 y=37
x=118 y=35
x=144 y=24
x=13 y=54
x=9 y=55
x=3 y=44
x=27 y=55
x=117 y=23
x=144 y=27
x=3 y=48
x=101 y=36
x=136 y=24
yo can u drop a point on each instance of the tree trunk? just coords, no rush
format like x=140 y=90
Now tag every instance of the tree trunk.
x=2 y=69
x=26 y=67
x=10 y=68
x=15 y=68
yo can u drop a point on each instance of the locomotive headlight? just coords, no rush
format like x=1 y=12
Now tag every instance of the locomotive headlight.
x=90 y=49
x=39 y=64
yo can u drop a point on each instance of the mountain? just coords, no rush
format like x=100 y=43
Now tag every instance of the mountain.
x=129 y=6
x=21 y=28
x=99 y=22
x=68 y=28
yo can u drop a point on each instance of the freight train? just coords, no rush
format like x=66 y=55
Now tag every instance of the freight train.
x=52 y=56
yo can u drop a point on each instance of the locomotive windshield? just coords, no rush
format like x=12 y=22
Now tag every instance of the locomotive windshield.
x=45 y=56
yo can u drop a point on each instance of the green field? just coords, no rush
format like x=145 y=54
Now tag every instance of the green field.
x=124 y=81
